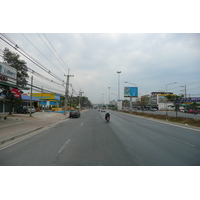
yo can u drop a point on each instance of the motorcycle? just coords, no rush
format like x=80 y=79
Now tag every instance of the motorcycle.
x=107 y=119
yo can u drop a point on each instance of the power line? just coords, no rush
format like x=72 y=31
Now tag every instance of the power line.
x=49 y=49
x=32 y=60
x=61 y=59
x=41 y=76
x=192 y=88
x=42 y=53
x=55 y=50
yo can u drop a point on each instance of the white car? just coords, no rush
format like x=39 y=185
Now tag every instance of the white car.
x=25 y=109
x=103 y=110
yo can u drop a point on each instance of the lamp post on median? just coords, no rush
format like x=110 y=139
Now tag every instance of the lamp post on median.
x=130 y=83
x=109 y=96
x=166 y=93
x=118 y=89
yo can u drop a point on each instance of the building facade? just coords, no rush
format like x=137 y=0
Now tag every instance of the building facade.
x=48 y=99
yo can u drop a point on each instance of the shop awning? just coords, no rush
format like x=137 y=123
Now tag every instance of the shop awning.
x=28 y=98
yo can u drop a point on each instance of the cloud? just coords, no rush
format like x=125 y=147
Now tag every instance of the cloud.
x=149 y=60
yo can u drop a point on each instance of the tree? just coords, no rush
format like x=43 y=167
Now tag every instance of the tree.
x=12 y=59
x=176 y=99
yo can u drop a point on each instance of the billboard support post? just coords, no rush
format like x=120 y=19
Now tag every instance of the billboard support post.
x=131 y=92
x=131 y=104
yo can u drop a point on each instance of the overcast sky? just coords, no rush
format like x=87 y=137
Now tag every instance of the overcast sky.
x=151 y=61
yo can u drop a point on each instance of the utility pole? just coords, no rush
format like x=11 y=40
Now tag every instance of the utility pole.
x=80 y=95
x=71 y=104
x=67 y=91
x=185 y=95
x=31 y=96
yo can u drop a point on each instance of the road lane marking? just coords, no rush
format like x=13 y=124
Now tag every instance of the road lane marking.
x=63 y=147
x=181 y=141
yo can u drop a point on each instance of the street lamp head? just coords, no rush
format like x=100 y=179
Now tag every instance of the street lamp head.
x=118 y=72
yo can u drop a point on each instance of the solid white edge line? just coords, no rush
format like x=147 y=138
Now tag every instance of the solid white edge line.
x=63 y=147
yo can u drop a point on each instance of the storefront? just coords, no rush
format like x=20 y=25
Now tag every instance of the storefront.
x=48 y=99
x=8 y=80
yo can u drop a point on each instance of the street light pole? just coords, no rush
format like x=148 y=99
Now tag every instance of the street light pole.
x=109 y=95
x=118 y=89
x=130 y=83
x=166 y=93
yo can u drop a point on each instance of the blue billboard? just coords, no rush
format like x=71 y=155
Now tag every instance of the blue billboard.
x=130 y=91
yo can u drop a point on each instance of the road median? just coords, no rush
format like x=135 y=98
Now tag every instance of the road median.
x=180 y=120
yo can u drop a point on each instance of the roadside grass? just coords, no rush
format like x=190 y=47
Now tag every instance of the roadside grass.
x=180 y=120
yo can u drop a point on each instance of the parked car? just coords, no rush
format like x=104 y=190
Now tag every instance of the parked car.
x=194 y=111
x=181 y=109
x=25 y=109
x=74 y=113
x=191 y=111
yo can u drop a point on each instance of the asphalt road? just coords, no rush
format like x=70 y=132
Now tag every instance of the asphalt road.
x=90 y=141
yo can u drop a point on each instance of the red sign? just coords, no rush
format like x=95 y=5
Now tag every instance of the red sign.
x=3 y=78
x=15 y=92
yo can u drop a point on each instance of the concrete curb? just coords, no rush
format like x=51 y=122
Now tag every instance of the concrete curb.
x=20 y=135
x=31 y=131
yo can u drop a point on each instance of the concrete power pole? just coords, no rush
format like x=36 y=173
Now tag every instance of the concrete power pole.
x=185 y=95
x=67 y=91
x=31 y=96
x=80 y=95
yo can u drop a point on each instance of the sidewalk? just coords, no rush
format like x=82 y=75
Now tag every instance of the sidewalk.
x=18 y=125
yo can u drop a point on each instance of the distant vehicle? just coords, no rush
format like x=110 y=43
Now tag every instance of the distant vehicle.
x=25 y=109
x=153 y=109
x=74 y=113
x=170 y=107
x=181 y=109
x=103 y=110
x=191 y=111
x=194 y=111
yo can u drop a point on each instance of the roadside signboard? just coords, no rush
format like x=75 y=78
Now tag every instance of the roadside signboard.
x=8 y=74
x=130 y=91
x=188 y=100
x=15 y=92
